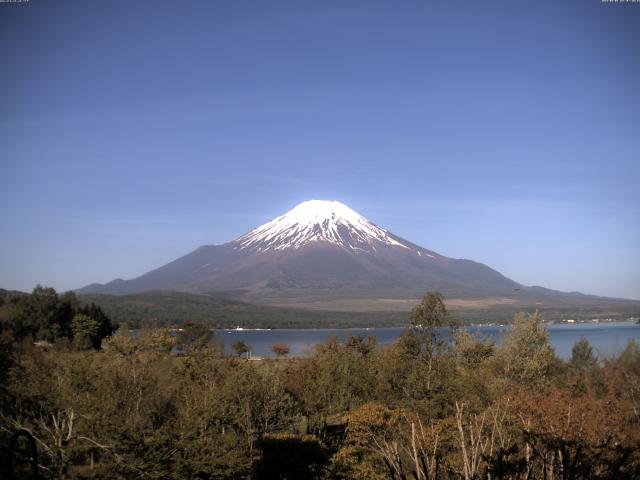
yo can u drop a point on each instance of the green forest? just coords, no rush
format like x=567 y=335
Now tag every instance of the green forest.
x=82 y=399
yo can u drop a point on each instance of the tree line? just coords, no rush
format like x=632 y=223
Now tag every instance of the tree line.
x=432 y=405
x=50 y=318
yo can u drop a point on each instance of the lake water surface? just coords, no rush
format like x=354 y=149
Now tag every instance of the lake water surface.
x=607 y=339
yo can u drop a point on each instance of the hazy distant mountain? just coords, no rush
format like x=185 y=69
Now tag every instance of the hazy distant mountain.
x=321 y=250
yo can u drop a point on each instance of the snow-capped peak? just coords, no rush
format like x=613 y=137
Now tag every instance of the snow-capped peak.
x=317 y=221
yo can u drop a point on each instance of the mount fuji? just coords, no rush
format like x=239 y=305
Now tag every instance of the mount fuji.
x=320 y=250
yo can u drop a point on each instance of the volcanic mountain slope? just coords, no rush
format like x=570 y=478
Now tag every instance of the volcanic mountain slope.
x=320 y=250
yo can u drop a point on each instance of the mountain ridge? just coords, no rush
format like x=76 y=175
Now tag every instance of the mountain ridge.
x=322 y=250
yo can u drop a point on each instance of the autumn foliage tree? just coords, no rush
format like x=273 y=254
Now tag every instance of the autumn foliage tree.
x=280 y=349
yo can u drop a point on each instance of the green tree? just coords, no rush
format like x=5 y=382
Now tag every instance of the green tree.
x=42 y=315
x=629 y=359
x=333 y=380
x=428 y=319
x=527 y=357
x=105 y=326
x=472 y=379
x=471 y=350
x=582 y=356
x=428 y=336
x=240 y=348
x=431 y=312
x=193 y=337
x=85 y=332
x=257 y=400
x=362 y=344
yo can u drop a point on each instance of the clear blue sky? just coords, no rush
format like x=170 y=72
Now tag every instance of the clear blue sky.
x=132 y=132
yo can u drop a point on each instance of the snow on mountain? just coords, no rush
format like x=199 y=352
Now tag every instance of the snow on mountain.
x=317 y=221
x=319 y=249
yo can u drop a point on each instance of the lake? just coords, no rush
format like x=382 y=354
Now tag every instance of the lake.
x=607 y=339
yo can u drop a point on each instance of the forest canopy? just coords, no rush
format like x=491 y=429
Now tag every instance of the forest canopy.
x=424 y=407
